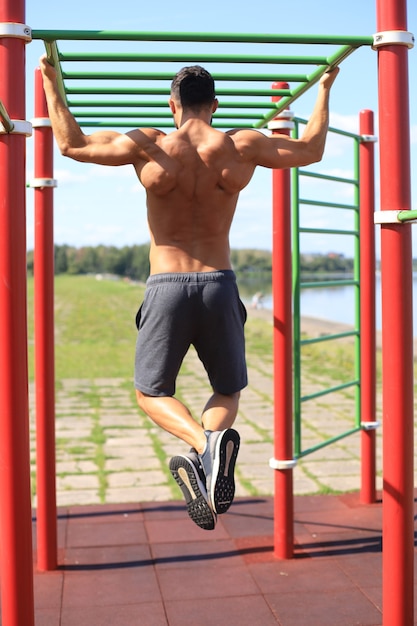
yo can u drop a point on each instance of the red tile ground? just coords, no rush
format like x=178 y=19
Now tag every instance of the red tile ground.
x=148 y=564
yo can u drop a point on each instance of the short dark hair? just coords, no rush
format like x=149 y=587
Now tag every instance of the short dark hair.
x=193 y=87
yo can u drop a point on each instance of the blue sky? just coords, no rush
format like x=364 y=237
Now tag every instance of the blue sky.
x=96 y=205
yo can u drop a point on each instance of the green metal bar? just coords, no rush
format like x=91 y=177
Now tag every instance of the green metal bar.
x=106 y=115
x=299 y=78
x=307 y=342
x=91 y=124
x=134 y=91
x=356 y=275
x=171 y=57
x=328 y=283
x=313 y=78
x=339 y=56
x=325 y=392
x=295 y=234
x=329 y=231
x=336 y=179
x=328 y=442
x=332 y=205
x=53 y=58
x=154 y=114
x=111 y=35
x=403 y=216
x=5 y=118
x=337 y=131
x=162 y=103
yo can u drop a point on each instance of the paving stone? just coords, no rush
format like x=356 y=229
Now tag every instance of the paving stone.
x=131 y=463
x=77 y=482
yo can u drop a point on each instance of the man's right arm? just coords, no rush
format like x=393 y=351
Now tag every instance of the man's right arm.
x=102 y=147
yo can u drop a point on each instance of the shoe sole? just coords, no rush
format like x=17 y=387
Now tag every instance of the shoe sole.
x=186 y=476
x=222 y=488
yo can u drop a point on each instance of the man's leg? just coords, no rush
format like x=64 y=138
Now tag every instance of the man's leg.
x=219 y=457
x=173 y=416
x=220 y=411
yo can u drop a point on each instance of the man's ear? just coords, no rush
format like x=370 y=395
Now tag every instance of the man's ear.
x=215 y=105
x=172 y=106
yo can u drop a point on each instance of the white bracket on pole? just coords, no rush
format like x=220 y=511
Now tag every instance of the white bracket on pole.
x=18 y=127
x=393 y=37
x=282 y=121
x=19 y=31
x=370 y=425
x=282 y=465
x=41 y=122
x=43 y=182
x=390 y=217
x=368 y=138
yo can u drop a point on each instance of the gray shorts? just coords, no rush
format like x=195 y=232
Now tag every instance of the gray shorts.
x=200 y=309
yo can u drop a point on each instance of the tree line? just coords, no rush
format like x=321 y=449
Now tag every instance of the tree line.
x=133 y=261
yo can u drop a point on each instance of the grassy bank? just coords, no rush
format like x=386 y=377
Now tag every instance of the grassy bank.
x=95 y=333
x=95 y=328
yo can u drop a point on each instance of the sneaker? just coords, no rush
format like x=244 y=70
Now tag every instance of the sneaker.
x=190 y=479
x=218 y=461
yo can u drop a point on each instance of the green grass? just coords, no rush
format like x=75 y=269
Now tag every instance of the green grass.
x=95 y=330
x=95 y=333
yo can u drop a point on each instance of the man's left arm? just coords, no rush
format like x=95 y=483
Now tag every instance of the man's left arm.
x=281 y=151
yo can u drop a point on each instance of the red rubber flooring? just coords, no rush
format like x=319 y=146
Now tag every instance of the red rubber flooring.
x=148 y=564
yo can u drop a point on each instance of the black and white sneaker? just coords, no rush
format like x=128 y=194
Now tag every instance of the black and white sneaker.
x=218 y=461
x=191 y=480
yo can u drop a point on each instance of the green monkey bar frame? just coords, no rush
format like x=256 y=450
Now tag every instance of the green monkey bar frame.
x=253 y=90
x=107 y=97
x=112 y=91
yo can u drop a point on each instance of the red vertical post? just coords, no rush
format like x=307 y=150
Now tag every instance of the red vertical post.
x=367 y=301
x=397 y=320
x=17 y=603
x=44 y=334
x=282 y=340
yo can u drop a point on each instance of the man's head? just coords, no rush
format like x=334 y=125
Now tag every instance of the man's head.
x=193 y=88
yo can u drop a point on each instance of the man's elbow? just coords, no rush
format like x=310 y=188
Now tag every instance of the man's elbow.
x=68 y=150
x=314 y=154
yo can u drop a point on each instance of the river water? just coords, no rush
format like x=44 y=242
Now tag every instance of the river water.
x=332 y=303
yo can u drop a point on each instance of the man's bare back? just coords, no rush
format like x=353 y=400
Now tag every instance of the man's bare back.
x=192 y=183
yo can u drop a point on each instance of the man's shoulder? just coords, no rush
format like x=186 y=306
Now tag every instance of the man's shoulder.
x=140 y=134
x=247 y=134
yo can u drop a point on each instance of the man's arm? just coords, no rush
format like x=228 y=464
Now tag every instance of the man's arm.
x=102 y=147
x=281 y=151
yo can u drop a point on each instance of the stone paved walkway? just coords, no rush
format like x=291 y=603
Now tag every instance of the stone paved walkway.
x=108 y=452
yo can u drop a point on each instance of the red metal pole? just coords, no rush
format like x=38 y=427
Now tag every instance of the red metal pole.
x=44 y=335
x=17 y=603
x=283 y=406
x=397 y=330
x=367 y=314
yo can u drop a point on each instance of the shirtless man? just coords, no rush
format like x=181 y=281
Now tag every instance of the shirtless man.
x=192 y=178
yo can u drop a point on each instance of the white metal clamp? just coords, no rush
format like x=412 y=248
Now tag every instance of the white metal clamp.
x=19 y=31
x=18 y=127
x=392 y=37
x=41 y=122
x=282 y=465
x=40 y=183
x=282 y=120
x=370 y=425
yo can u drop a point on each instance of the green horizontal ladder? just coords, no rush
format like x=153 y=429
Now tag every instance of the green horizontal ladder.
x=104 y=96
